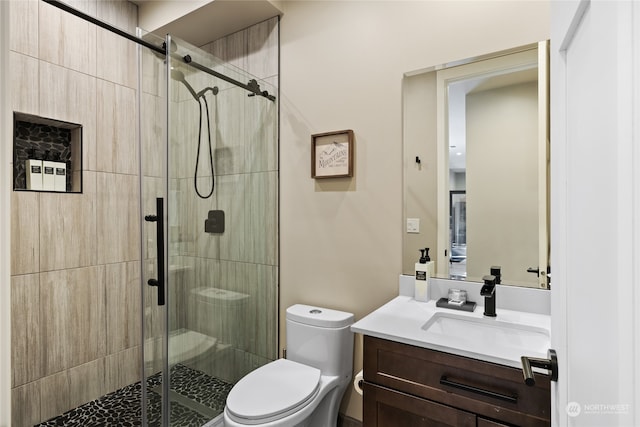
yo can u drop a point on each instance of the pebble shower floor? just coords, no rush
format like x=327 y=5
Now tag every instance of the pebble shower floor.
x=122 y=408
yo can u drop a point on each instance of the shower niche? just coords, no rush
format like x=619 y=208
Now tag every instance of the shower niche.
x=47 y=154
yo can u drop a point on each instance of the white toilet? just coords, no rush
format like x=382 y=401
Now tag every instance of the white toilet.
x=305 y=389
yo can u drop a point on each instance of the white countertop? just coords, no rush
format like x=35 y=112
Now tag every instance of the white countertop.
x=402 y=320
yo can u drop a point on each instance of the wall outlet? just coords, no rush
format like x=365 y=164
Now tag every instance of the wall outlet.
x=413 y=225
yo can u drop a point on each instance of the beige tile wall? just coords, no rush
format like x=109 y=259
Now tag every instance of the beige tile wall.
x=24 y=82
x=118 y=220
x=116 y=149
x=75 y=271
x=66 y=40
x=68 y=227
x=25 y=233
x=25 y=404
x=24 y=15
x=25 y=324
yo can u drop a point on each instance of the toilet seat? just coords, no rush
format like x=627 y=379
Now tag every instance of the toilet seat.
x=272 y=392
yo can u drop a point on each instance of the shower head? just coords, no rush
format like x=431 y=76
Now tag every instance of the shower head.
x=213 y=90
x=179 y=76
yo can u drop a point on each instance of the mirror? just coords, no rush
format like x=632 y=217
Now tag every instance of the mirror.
x=476 y=161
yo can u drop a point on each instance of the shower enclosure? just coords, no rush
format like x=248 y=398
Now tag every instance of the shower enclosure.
x=179 y=298
x=209 y=253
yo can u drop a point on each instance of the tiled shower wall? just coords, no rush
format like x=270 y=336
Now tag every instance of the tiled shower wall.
x=74 y=264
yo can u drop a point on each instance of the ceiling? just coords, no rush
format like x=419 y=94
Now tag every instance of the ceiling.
x=199 y=22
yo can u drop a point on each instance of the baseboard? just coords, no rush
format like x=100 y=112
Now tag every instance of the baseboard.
x=344 y=421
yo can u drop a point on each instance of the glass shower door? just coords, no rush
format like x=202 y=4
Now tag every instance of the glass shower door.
x=152 y=105
x=213 y=167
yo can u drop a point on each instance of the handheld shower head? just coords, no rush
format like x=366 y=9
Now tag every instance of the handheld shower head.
x=214 y=90
x=179 y=76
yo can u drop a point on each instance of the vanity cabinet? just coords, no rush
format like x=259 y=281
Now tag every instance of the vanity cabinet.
x=412 y=386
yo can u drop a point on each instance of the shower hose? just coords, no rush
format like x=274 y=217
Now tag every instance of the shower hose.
x=195 y=173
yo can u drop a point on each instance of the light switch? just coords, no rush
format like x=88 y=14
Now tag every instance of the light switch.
x=413 y=225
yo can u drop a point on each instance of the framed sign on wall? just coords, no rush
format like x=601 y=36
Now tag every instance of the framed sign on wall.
x=332 y=154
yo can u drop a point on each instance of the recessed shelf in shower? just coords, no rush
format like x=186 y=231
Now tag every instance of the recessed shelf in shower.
x=47 y=154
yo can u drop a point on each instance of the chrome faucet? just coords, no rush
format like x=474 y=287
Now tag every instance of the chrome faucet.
x=488 y=291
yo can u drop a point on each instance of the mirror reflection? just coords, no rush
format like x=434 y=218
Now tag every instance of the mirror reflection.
x=488 y=157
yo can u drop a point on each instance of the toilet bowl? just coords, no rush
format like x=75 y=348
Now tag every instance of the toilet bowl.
x=304 y=390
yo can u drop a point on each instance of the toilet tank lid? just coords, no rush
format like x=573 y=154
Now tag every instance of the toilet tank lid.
x=318 y=316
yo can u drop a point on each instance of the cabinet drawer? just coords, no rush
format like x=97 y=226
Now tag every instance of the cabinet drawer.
x=490 y=390
x=388 y=408
x=488 y=423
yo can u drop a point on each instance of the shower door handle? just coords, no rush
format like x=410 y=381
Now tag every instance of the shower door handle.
x=158 y=218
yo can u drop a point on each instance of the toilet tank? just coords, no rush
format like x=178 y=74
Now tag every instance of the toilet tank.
x=320 y=337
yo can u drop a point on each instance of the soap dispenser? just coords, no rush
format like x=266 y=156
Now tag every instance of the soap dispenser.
x=424 y=270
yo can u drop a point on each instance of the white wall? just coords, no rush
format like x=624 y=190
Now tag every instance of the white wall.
x=342 y=66
x=155 y=14
x=5 y=219
x=202 y=21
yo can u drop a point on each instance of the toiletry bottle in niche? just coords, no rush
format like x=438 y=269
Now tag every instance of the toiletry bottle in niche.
x=423 y=274
x=60 y=179
x=48 y=173
x=33 y=171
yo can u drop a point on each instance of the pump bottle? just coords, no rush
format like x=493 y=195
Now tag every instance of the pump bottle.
x=424 y=271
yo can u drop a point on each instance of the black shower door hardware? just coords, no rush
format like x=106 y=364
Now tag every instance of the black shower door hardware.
x=158 y=218
x=252 y=86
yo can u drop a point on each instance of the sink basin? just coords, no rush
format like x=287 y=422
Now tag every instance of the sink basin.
x=488 y=335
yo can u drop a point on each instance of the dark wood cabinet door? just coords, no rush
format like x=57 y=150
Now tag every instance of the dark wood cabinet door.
x=489 y=423
x=486 y=389
x=384 y=407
